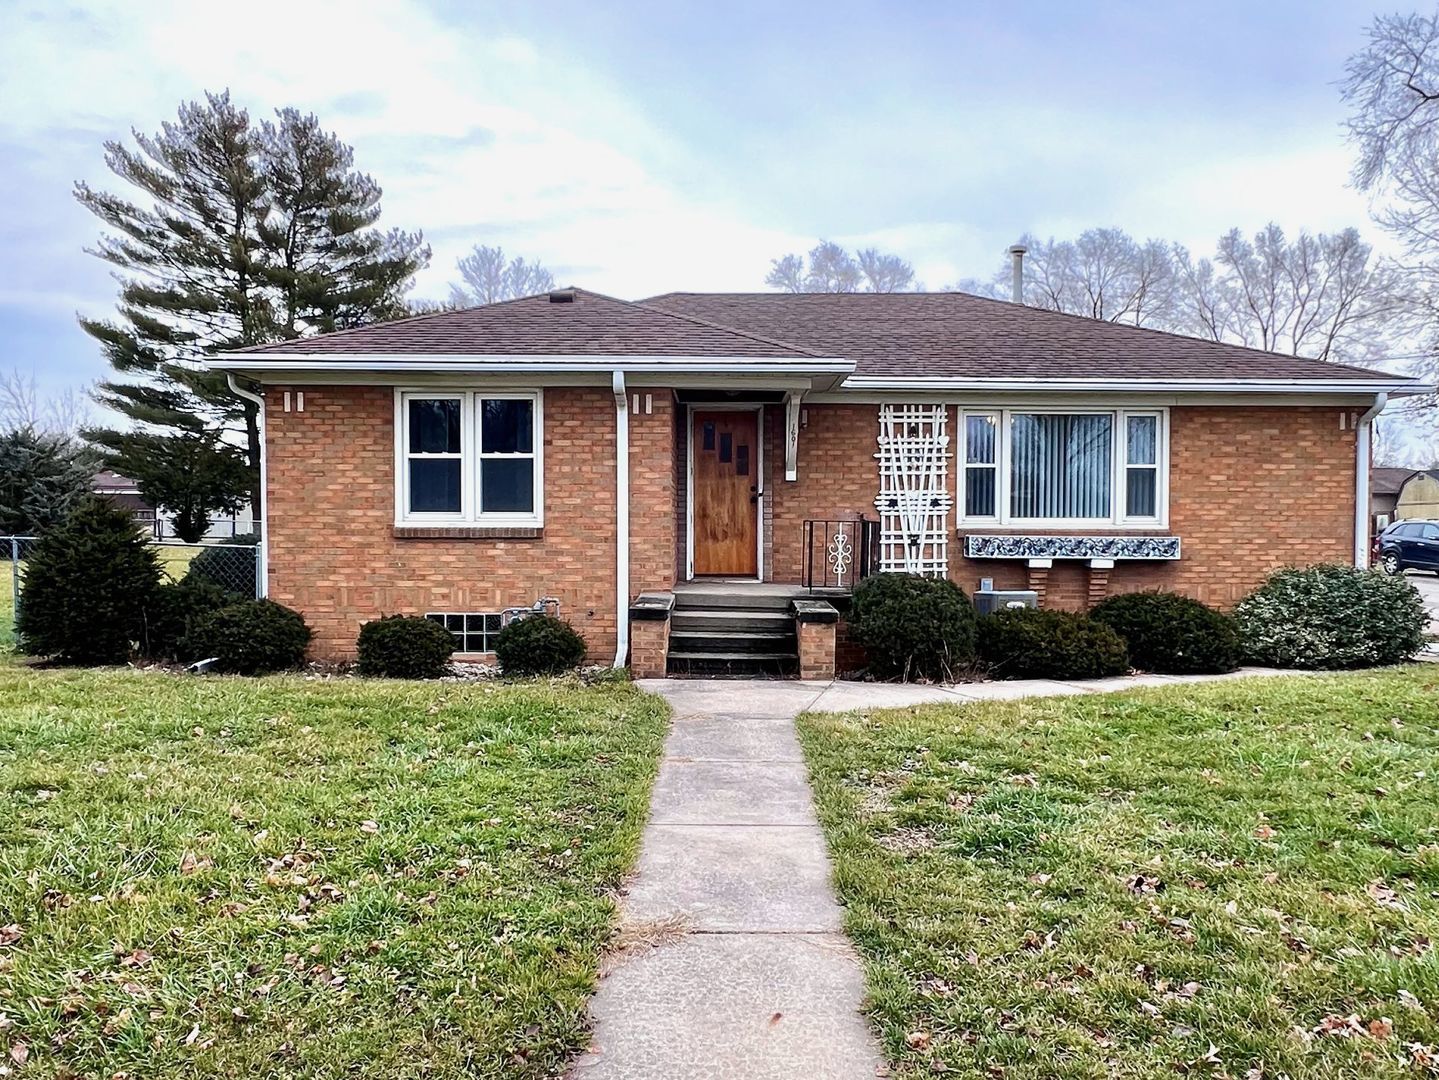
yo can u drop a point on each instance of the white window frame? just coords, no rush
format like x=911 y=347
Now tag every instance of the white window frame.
x=470 y=513
x=1118 y=459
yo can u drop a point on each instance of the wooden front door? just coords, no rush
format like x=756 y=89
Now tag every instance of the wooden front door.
x=725 y=448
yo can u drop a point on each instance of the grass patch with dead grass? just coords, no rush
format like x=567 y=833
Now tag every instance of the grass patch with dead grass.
x=1236 y=879
x=290 y=876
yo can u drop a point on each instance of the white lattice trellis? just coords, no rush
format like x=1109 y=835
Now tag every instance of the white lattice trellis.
x=914 y=499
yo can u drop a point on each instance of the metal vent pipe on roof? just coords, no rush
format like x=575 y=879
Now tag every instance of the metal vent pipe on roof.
x=1016 y=256
x=562 y=296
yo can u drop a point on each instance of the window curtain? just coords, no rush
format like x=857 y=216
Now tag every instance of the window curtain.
x=1061 y=465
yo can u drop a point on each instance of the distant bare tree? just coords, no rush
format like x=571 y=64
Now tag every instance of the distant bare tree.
x=829 y=268
x=24 y=408
x=1392 y=88
x=884 y=273
x=1104 y=274
x=1325 y=296
x=489 y=277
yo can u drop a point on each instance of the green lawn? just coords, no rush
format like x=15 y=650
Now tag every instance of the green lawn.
x=1230 y=880
x=267 y=877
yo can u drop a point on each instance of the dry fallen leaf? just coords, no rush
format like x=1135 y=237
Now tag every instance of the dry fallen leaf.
x=917 y=1040
x=369 y=827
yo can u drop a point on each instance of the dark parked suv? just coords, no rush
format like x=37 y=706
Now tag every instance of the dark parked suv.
x=1408 y=545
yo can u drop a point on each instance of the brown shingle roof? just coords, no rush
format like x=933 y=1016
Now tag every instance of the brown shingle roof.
x=590 y=325
x=956 y=334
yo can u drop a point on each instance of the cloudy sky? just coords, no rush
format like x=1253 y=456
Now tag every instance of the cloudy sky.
x=641 y=147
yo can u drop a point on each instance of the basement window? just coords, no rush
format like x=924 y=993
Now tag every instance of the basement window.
x=469 y=457
x=473 y=631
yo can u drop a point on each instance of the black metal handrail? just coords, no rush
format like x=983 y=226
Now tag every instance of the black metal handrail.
x=838 y=554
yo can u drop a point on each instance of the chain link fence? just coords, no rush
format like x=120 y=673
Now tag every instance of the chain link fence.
x=233 y=567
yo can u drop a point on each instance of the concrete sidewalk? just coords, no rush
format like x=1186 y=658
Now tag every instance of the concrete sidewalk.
x=738 y=968
x=842 y=695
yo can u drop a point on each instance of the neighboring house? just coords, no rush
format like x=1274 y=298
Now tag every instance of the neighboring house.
x=1418 y=495
x=588 y=449
x=125 y=493
x=1385 y=483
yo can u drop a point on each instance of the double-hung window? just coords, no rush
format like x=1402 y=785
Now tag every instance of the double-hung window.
x=469 y=457
x=1056 y=468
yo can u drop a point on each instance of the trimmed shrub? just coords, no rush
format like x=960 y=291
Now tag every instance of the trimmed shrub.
x=231 y=565
x=913 y=627
x=88 y=583
x=539 y=645
x=1030 y=643
x=1171 y=634
x=405 y=647
x=250 y=638
x=173 y=614
x=1331 y=617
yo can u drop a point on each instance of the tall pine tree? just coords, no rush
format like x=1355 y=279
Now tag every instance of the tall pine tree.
x=252 y=233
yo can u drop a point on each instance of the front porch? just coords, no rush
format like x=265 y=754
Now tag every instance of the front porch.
x=730 y=628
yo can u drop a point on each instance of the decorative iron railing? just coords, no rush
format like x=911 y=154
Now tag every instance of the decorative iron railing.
x=840 y=554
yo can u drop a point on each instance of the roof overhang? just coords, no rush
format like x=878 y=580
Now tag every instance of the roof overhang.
x=820 y=372
x=1395 y=387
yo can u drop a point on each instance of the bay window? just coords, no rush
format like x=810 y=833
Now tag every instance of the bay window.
x=1049 y=467
x=469 y=457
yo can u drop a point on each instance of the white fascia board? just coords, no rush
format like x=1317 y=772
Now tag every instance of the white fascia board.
x=524 y=364
x=941 y=384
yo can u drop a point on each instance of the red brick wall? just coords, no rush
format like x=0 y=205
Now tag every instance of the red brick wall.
x=1252 y=488
x=655 y=516
x=334 y=556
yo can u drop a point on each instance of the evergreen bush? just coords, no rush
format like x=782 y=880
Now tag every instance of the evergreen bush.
x=539 y=645
x=251 y=637
x=1171 y=634
x=1331 y=617
x=173 y=612
x=87 y=585
x=404 y=647
x=1032 y=643
x=913 y=627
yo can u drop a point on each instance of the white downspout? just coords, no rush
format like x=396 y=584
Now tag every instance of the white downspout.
x=262 y=575
x=622 y=519
x=1361 y=481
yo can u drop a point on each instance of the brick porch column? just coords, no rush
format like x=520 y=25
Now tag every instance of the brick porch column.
x=650 y=635
x=1039 y=578
x=1098 y=580
x=815 y=622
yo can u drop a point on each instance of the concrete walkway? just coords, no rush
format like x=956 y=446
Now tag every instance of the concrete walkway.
x=735 y=965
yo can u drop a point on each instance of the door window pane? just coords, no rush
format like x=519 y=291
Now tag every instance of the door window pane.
x=506 y=426
x=435 y=485
x=1060 y=465
x=434 y=426
x=507 y=485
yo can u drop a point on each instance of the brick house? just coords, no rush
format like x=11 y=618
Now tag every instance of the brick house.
x=674 y=473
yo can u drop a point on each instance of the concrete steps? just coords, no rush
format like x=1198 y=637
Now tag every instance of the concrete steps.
x=736 y=629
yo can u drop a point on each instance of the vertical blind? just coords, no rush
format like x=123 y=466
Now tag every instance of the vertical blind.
x=1061 y=465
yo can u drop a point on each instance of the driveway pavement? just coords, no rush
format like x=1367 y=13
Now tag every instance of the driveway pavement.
x=1428 y=585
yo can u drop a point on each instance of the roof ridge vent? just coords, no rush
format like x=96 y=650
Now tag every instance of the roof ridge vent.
x=562 y=296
